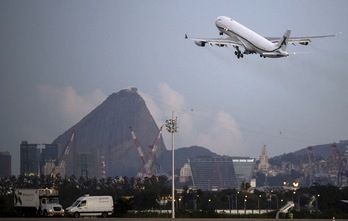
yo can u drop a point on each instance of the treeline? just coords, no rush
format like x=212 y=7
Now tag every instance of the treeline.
x=135 y=197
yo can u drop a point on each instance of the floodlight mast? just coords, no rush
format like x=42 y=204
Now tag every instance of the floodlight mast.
x=172 y=128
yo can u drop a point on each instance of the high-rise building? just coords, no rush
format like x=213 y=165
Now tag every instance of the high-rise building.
x=5 y=164
x=50 y=152
x=263 y=164
x=29 y=159
x=210 y=173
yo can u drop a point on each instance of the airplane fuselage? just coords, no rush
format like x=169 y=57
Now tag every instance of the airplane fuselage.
x=253 y=42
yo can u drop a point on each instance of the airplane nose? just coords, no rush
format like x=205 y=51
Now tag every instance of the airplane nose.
x=219 y=19
x=218 y=23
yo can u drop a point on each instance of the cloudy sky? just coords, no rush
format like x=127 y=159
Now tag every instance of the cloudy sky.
x=61 y=59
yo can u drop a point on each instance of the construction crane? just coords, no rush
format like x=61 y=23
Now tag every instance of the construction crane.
x=345 y=160
x=147 y=165
x=339 y=164
x=64 y=156
x=137 y=145
x=315 y=173
x=312 y=167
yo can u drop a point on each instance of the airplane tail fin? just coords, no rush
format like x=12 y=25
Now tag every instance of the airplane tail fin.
x=283 y=41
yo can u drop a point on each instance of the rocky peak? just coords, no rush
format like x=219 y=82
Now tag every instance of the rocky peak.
x=103 y=145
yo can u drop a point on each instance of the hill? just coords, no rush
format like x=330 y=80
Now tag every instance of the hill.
x=301 y=156
x=182 y=155
x=103 y=137
x=103 y=145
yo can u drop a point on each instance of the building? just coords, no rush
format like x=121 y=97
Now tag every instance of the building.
x=263 y=164
x=211 y=173
x=5 y=164
x=50 y=152
x=49 y=160
x=185 y=173
x=244 y=169
x=29 y=159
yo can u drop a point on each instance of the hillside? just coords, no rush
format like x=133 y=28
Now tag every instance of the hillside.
x=103 y=136
x=301 y=156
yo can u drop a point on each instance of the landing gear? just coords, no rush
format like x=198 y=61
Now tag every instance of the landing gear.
x=239 y=54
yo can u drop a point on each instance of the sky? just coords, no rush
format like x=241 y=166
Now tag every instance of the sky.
x=61 y=59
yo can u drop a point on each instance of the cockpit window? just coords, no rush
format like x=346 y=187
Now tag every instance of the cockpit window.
x=75 y=203
x=83 y=203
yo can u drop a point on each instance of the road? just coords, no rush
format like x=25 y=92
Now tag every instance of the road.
x=140 y=219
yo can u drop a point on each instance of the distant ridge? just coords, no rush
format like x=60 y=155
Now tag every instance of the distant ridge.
x=300 y=156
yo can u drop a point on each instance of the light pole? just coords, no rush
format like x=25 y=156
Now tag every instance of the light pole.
x=237 y=201
x=195 y=202
x=172 y=127
x=316 y=202
x=277 y=199
x=258 y=203
x=229 y=202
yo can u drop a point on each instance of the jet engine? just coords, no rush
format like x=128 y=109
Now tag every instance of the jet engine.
x=303 y=43
x=200 y=43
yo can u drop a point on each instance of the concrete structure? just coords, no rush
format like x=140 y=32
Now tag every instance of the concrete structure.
x=5 y=164
x=29 y=159
x=49 y=158
x=50 y=152
x=244 y=169
x=263 y=164
x=212 y=173
x=185 y=173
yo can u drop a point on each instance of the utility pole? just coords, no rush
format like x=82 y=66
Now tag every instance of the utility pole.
x=172 y=127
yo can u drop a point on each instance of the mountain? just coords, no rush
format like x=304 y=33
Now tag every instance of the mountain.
x=103 y=137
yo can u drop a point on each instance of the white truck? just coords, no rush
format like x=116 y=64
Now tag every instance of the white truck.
x=39 y=202
x=91 y=206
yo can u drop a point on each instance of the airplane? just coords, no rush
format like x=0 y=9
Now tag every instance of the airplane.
x=240 y=36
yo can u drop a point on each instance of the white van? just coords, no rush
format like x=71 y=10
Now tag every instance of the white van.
x=91 y=206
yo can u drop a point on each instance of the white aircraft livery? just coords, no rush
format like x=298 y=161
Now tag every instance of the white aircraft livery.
x=240 y=36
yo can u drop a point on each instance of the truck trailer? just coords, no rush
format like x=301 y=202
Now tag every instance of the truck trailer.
x=38 y=202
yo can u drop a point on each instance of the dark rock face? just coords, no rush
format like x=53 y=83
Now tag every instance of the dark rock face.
x=103 y=137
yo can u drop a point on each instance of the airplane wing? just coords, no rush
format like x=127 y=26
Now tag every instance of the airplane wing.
x=216 y=41
x=301 y=40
